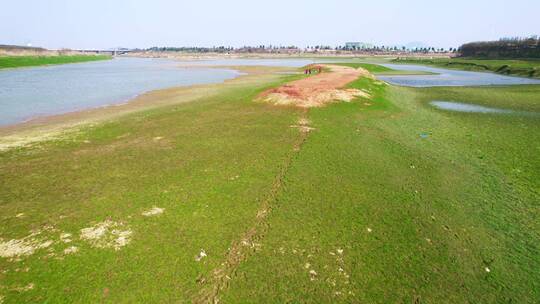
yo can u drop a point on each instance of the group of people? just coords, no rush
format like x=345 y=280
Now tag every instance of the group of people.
x=309 y=70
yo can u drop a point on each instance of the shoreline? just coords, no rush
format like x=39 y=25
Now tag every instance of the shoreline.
x=50 y=65
x=53 y=126
x=78 y=59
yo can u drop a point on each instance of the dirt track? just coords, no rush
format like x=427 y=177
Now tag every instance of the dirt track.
x=317 y=90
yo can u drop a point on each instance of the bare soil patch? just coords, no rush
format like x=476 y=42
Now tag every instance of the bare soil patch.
x=107 y=234
x=318 y=90
x=14 y=249
x=153 y=211
x=21 y=247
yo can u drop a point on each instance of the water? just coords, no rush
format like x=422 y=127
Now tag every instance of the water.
x=300 y=62
x=446 y=77
x=40 y=91
x=473 y=108
x=30 y=92
x=468 y=107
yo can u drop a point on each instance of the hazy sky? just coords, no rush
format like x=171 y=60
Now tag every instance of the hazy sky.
x=138 y=23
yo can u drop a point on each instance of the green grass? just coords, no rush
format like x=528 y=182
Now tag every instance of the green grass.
x=380 y=214
x=27 y=61
x=523 y=68
x=216 y=162
x=440 y=209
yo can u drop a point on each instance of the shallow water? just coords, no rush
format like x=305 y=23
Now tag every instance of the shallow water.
x=446 y=77
x=29 y=92
x=468 y=107
x=299 y=62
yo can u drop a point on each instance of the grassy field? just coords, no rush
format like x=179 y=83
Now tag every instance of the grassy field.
x=374 y=213
x=26 y=61
x=208 y=163
x=523 y=68
x=387 y=200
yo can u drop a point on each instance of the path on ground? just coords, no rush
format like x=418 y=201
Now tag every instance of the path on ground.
x=312 y=91
x=240 y=249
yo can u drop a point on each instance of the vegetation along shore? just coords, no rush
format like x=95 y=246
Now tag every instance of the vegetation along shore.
x=511 y=67
x=28 y=61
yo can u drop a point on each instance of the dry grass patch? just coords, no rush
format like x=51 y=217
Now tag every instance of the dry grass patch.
x=107 y=234
x=153 y=211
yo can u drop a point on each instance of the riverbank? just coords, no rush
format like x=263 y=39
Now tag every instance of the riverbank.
x=54 y=126
x=234 y=199
x=510 y=67
x=29 y=61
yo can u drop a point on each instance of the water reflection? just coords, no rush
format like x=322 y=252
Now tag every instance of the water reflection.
x=446 y=77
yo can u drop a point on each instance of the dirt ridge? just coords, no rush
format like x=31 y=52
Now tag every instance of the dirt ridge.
x=320 y=89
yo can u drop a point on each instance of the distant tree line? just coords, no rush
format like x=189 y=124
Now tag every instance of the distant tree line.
x=503 y=48
x=383 y=48
x=296 y=49
x=19 y=47
x=267 y=49
x=224 y=49
x=194 y=49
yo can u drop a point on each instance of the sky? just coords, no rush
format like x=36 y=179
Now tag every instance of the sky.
x=102 y=24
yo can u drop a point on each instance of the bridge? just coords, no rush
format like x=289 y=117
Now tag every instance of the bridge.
x=112 y=52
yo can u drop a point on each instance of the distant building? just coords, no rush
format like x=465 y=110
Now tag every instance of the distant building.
x=357 y=45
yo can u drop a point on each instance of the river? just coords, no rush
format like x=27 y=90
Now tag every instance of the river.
x=40 y=91
x=445 y=77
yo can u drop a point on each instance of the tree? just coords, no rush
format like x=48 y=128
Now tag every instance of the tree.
x=504 y=48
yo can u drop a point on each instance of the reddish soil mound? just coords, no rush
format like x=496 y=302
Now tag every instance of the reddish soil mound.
x=315 y=91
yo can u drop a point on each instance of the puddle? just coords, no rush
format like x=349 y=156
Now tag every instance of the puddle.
x=474 y=108
x=469 y=108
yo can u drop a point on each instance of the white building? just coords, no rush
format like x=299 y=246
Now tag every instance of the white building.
x=357 y=45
